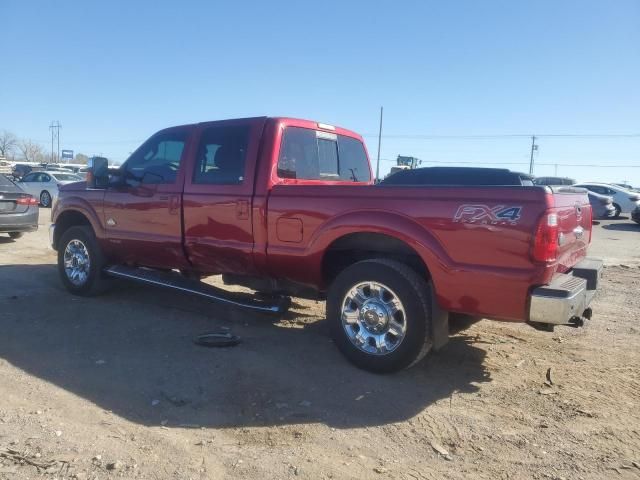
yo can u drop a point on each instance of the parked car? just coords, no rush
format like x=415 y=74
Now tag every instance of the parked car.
x=624 y=201
x=627 y=186
x=458 y=176
x=601 y=205
x=553 y=181
x=44 y=185
x=635 y=215
x=18 y=209
x=288 y=207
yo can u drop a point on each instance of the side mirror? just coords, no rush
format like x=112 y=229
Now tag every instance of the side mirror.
x=98 y=172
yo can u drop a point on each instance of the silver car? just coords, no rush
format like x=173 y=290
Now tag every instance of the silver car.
x=601 y=205
x=44 y=185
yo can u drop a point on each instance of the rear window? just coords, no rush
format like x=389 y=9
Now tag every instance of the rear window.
x=315 y=155
x=64 y=177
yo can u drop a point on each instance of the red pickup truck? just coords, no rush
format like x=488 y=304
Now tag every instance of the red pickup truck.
x=289 y=207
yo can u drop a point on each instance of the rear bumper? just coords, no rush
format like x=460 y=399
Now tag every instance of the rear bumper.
x=20 y=222
x=566 y=300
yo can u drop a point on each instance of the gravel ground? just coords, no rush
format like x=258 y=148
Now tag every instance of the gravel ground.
x=113 y=387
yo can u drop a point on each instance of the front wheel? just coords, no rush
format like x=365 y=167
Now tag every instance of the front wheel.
x=380 y=315
x=80 y=262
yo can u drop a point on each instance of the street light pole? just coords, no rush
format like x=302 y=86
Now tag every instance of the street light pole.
x=533 y=147
x=379 y=142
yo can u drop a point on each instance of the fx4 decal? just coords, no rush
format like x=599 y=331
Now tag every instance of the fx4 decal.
x=486 y=215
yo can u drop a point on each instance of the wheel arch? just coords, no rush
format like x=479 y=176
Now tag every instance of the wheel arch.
x=68 y=219
x=386 y=235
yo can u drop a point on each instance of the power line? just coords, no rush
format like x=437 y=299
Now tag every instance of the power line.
x=505 y=135
x=480 y=163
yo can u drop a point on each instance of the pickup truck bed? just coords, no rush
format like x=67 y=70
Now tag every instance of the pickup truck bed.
x=288 y=207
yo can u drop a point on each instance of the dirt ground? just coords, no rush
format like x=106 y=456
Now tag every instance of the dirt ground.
x=113 y=387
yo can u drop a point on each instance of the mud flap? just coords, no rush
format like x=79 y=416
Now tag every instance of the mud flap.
x=439 y=322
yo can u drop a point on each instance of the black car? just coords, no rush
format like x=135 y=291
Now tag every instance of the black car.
x=18 y=209
x=635 y=215
x=458 y=176
x=20 y=170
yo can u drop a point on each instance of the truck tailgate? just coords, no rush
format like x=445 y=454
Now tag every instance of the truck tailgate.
x=574 y=225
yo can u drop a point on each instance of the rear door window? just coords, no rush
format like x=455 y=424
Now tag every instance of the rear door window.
x=316 y=155
x=221 y=156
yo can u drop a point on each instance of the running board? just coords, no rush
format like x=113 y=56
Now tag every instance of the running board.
x=175 y=281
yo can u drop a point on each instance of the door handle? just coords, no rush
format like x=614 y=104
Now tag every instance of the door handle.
x=163 y=197
x=242 y=209
x=174 y=203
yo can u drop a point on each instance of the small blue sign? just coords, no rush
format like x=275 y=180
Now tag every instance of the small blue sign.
x=67 y=154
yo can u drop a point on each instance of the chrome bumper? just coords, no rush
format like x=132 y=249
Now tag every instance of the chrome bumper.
x=566 y=300
x=52 y=231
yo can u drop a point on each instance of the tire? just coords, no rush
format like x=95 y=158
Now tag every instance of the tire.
x=16 y=235
x=81 y=242
x=45 y=198
x=618 y=210
x=369 y=339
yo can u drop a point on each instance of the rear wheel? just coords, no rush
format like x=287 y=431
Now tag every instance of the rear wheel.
x=15 y=235
x=45 y=199
x=618 y=210
x=80 y=262
x=380 y=315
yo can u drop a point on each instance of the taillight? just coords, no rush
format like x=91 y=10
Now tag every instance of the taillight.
x=545 y=242
x=27 y=201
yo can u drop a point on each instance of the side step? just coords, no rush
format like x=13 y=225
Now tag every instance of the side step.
x=175 y=281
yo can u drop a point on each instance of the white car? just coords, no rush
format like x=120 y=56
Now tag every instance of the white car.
x=44 y=185
x=624 y=201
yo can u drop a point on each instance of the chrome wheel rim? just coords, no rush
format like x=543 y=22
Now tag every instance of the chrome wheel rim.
x=374 y=318
x=77 y=262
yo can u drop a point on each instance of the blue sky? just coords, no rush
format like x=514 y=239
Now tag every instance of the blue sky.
x=114 y=72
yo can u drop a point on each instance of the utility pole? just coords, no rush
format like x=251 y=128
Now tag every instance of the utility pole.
x=379 y=141
x=533 y=148
x=55 y=137
x=555 y=171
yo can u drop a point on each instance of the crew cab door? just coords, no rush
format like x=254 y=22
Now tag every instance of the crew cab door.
x=142 y=207
x=218 y=194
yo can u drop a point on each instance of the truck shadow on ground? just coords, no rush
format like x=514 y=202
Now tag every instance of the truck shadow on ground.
x=622 y=227
x=131 y=351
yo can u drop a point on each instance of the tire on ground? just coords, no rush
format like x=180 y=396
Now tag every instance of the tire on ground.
x=411 y=289
x=16 y=235
x=95 y=283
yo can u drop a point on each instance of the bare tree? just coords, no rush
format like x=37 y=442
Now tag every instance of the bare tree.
x=8 y=143
x=81 y=158
x=31 y=151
